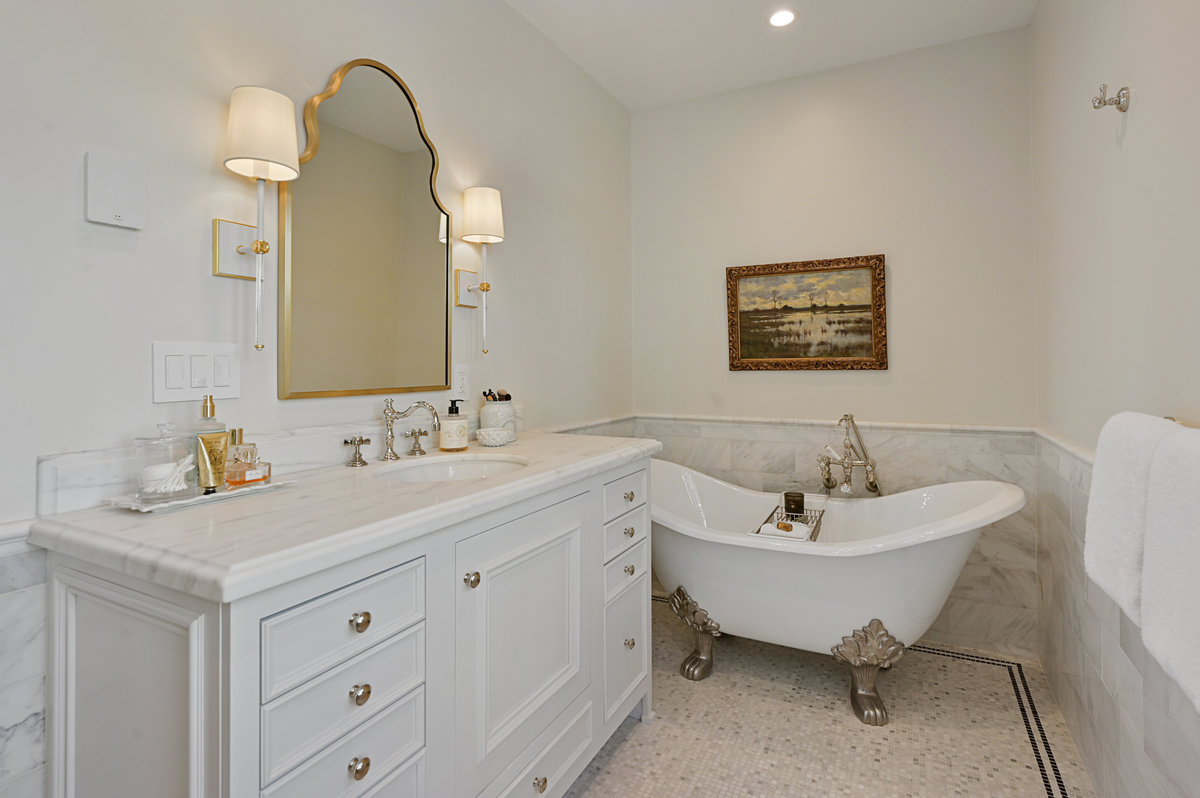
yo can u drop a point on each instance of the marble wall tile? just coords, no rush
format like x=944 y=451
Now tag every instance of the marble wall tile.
x=1012 y=630
x=701 y=454
x=31 y=784
x=22 y=727
x=22 y=630
x=765 y=456
x=22 y=570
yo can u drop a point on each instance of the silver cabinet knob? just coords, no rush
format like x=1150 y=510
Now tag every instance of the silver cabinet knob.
x=359 y=621
x=359 y=767
x=630 y=531
x=472 y=579
x=629 y=569
x=629 y=496
x=540 y=785
x=630 y=643
x=359 y=694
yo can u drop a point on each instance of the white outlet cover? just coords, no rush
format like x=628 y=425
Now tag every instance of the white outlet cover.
x=460 y=381
x=115 y=189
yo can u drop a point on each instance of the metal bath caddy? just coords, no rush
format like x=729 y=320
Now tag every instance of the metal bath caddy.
x=810 y=518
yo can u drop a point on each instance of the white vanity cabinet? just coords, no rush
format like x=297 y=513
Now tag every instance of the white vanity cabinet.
x=491 y=656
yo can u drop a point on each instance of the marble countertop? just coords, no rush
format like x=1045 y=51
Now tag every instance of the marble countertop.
x=231 y=549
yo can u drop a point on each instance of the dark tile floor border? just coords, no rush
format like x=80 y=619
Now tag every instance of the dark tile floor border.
x=1016 y=673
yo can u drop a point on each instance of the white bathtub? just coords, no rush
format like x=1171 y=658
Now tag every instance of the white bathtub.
x=893 y=558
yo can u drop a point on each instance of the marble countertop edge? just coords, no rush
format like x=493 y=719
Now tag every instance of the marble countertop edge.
x=226 y=577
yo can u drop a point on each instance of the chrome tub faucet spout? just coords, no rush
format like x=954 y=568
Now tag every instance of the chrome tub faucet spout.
x=852 y=457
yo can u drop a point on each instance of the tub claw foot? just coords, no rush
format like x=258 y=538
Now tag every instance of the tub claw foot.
x=699 y=663
x=866 y=651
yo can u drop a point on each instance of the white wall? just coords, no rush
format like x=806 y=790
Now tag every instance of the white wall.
x=923 y=157
x=80 y=303
x=1117 y=204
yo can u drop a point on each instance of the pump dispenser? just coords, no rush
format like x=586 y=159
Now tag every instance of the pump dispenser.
x=454 y=430
x=207 y=421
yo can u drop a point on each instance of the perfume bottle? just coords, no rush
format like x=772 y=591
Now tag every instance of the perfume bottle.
x=244 y=467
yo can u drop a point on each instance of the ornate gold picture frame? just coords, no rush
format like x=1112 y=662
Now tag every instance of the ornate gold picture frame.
x=815 y=314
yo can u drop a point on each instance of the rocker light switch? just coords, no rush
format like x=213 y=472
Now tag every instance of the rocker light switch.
x=186 y=371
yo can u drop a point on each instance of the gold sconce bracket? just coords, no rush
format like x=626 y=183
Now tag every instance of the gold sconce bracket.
x=232 y=250
x=467 y=288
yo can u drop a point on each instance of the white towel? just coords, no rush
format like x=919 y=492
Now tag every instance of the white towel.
x=1116 y=516
x=1170 y=594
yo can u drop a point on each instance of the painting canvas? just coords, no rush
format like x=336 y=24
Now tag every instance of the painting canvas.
x=819 y=314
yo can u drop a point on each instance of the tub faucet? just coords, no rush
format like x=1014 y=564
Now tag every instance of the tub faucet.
x=390 y=414
x=851 y=458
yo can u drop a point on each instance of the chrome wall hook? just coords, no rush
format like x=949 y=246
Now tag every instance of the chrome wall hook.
x=1121 y=100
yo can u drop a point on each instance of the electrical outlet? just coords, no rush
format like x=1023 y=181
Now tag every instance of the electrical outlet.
x=460 y=382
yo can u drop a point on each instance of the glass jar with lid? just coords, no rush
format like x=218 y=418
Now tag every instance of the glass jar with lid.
x=166 y=466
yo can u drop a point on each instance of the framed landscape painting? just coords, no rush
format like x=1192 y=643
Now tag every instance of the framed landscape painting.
x=815 y=314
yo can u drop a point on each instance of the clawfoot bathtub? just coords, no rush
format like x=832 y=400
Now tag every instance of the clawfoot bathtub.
x=877 y=576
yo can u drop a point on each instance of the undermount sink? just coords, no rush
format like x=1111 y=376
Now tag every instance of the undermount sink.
x=452 y=468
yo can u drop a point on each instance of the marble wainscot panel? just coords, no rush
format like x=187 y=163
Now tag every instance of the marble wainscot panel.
x=994 y=604
x=1136 y=731
x=22 y=664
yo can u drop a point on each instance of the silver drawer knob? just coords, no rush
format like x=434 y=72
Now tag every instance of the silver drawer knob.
x=629 y=496
x=630 y=643
x=472 y=579
x=540 y=785
x=630 y=531
x=359 y=767
x=360 y=621
x=629 y=569
x=359 y=694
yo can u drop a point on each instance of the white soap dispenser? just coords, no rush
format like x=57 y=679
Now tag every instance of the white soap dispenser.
x=454 y=430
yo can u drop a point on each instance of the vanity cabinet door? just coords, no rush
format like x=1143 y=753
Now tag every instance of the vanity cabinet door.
x=522 y=638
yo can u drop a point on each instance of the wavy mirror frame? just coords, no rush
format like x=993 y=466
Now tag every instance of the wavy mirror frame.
x=285 y=249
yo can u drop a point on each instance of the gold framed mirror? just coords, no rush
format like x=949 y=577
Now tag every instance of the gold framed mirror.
x=365 y=271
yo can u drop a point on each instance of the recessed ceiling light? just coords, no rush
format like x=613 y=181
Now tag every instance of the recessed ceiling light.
x=782 y=17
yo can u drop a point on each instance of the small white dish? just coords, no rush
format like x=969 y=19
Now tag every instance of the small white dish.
x=492 y=436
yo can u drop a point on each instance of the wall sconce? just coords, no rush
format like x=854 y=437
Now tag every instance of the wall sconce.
x=483 y=223
x=260 y=143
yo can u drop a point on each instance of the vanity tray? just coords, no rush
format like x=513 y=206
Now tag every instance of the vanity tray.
x=810 y=518
x=131 y=502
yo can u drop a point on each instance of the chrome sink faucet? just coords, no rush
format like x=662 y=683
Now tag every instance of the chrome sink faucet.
x=390 y=414
x=851 y=458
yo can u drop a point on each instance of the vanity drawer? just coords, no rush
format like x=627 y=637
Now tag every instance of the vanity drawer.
x=303 y=641
x=626 y=568
x=407 y=781
x=626 y=644
x=622 y=495
x=300 y=723
x=552 y=764
x=625 y=531
x=386 y=740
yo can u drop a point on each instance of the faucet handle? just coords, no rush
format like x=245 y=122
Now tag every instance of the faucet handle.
x=415 y=433
x=357 y=441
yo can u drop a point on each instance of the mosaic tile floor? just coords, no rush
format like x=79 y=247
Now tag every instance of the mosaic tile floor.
x=773 y=721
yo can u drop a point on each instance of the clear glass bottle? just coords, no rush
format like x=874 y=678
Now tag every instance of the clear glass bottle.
x=166 y=466
x=243 y=467
x=208 y=418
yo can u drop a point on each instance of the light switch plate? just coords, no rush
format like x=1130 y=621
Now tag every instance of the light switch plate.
x=187 y=371
x=115 y=189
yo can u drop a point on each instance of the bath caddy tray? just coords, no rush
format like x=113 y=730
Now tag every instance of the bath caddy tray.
x=131 y=502
x=810 y=518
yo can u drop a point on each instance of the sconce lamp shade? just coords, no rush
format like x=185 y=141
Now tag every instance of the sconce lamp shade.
x=443 y=233
x=483 y=220
x=260 y=141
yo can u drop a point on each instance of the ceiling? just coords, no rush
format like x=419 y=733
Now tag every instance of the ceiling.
x=649 y=53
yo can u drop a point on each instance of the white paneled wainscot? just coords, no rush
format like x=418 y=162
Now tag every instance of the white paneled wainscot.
x=351 y=635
